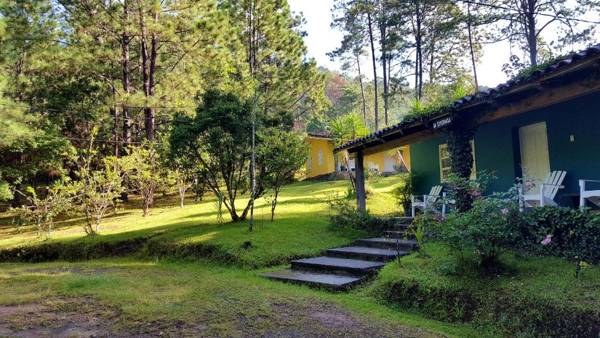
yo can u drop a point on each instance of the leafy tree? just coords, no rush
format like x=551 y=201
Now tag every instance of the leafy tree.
x=356 y=19
x=143 y=172
x=42 y=210
x=30 y=148
x=97 y=184
x=282 y=154
x=524 y=21
x=284 y=83
x=218 y=139
x=96 y=189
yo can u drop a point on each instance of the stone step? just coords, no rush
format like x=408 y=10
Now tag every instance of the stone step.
x=365 y=253
x=333 y=265
x=402 y=220
x=329 y=281
x=398 y=234
x=384 y=243
x=399 y=227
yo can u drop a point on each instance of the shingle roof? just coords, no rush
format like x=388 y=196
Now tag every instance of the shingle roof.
x=484 y=94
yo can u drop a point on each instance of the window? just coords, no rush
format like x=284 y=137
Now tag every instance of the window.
x=446 y=165
x=320 y=158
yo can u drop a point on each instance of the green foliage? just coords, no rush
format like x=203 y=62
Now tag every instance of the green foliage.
x=42 y=211
x=405 y=190
x=143 y=172
x=218 y=142
x=283 y=81
x=461 y=160
x=344 y=215
x=533 y=297
x=96 y=190
x=347 y=127
x=562 y=232
x=281 y=154
x=488 y=229
x=29 y=147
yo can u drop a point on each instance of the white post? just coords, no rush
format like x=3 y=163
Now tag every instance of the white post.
x=581 y=198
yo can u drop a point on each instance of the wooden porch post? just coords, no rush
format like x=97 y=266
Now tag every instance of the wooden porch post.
x=361 y=197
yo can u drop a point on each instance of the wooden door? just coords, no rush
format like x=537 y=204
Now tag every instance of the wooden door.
x=535 y=161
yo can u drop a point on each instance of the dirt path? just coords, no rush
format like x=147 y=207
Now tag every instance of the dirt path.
x=86 y=317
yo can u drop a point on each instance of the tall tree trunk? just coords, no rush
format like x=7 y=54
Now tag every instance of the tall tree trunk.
x=115 y=115
x=528 y=7
x=363 y=103
x=418 y=53
x=148 y=64
x=383 y=43
x=374 y=59
x=432 y=59
x=150 y=111
x=471 y=48
x=125 y=41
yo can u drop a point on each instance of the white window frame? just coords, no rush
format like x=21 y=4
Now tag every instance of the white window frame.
x=443 y=148
x=320 y=158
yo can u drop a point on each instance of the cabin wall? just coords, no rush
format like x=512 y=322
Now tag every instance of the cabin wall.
x=320 y=157
x=497 y=147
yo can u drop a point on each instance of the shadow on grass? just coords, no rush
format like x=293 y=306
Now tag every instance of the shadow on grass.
x=290 y=236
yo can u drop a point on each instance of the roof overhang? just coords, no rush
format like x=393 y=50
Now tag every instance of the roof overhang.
x=576 y=76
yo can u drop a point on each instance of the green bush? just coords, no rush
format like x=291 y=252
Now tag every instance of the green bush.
x=562 y=232
x=344 y=215
x=488 y=229
x=404 y=191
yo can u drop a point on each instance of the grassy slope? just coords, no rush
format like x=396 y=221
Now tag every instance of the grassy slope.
x=545 y=278
x=526 y=286
x=199 y=292
x=300 y=227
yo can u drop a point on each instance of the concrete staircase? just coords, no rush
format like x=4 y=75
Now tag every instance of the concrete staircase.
x=345 y=267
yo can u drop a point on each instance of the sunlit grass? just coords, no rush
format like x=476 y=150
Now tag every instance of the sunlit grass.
x=301 y=226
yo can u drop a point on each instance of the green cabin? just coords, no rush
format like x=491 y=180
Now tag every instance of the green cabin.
x=544 y=121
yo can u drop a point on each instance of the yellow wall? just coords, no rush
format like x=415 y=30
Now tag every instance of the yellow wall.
x=320 y=157
x=375 y=161
x=378 y=160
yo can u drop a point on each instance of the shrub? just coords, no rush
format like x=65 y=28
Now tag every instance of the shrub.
x=345 y=215
x=487 y=229
x=563 y=232
x=404 y=191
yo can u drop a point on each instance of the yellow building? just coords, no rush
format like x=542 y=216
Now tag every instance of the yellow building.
x=388 y=161
x=322 y=160
x=320 y=156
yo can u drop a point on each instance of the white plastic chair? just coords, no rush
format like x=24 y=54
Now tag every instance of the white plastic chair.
x=548 y=190
x=427 y=201
x=590 y=195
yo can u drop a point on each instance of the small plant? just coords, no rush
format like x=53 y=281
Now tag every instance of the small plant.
x=345 y=215
x=404 y=192
x=42 y=211
x=96 y=190
x=143 y=172
x=418 y=230
x=488 y=229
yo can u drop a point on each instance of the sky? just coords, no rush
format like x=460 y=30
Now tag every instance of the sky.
x=322 y=39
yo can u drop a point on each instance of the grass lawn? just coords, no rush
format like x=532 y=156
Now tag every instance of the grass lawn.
x=300 y=227
x=133 y=297
x=531 y=294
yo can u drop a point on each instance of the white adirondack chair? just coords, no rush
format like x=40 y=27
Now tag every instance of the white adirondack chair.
x=548 y=190
x=427 y=201
x=589 y=195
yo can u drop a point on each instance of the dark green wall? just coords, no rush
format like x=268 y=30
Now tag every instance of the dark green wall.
x=425 y=164
x=497 y=149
